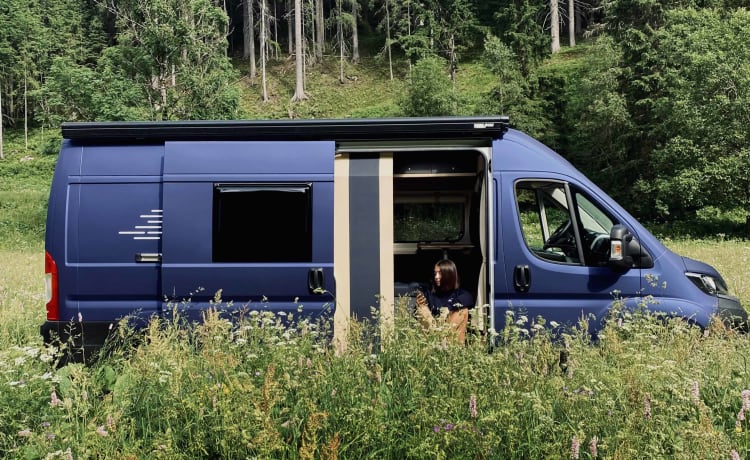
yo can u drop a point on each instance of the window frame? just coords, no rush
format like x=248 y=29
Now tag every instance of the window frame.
x=219 y=251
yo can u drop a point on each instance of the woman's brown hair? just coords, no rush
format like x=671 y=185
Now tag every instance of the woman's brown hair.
x=448 y=275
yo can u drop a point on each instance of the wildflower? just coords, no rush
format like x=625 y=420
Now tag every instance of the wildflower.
x=473 y=406
x=436 y=429
x=45 y=424
x=101 y=431
x=449 y=426
x=745 y=399
x=647 y=407
x=575 y=446
x=24 y=433
x=592 y=446
x=734 y=455
x=694 y=392
x=54 y=401
x=50 y=436
x=110 y=422
x=741 y=415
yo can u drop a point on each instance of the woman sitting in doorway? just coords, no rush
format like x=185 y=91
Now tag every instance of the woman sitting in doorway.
x=445 y=300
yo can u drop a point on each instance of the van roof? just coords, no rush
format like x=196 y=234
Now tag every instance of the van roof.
x=485 y=127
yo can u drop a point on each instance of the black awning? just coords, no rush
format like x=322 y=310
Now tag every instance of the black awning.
x=349 y=129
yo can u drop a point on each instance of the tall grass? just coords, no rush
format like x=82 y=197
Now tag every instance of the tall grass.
x=258 y=389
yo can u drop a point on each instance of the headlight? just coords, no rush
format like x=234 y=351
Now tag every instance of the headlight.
x=707 y=283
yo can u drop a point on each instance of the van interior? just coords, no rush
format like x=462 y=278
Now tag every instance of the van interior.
x=439 y=208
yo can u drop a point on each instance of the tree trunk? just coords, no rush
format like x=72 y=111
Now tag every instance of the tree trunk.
x=245 y=29
x=388 y=38
x=572 y=23
x=250 y=36
x=555 y=25
x=340 y=33
x=25 y=111
x=320 y=33
x=355 y=34
x=275 y=29
x=290 y=26
x=299 y=93
x=263 y=57
x=2 y=155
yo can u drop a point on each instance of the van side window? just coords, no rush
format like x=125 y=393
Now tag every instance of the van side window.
x=553 y=233
x=546 y=221
x=428 y=221
x=262 y=223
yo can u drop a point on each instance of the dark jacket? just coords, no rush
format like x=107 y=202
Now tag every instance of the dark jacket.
x=453 y=300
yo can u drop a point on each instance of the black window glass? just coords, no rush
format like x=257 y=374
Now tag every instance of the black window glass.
x=262 y=223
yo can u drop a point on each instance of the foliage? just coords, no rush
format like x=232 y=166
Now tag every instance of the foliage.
x=518 y=26
x=24 y=190
x=429 y=91
x=703 y=157
x=599 y=119
x=513 y=93
x=257 y=388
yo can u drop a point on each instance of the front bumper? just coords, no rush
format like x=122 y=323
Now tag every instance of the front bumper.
x=731 y=312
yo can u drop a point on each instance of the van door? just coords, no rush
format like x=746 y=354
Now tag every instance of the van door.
x=250 y=223
x=112 y=234
x=556 y=248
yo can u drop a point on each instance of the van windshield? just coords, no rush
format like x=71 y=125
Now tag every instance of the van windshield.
x=428 y=221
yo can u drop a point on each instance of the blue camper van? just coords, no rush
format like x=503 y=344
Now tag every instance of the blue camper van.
x=303 y=211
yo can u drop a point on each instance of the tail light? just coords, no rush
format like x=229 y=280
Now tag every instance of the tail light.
x=50 y=287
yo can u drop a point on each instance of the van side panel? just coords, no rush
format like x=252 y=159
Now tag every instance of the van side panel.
x=250 y=253
x=113 y=215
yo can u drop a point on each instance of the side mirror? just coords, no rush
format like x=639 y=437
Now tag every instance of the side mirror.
x=625 y=250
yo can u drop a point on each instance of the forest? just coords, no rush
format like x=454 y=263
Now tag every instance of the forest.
x=654 y=104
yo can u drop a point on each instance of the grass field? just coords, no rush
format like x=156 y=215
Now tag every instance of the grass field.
x=257 y=390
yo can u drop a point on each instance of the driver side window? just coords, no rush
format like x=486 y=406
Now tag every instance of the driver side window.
x=548 y=226
x=546 y=221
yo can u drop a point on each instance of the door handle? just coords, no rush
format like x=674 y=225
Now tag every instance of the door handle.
x=522 y=278
x=315 y=281
x=145 y=257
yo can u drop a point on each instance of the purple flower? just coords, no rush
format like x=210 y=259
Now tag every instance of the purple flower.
x=473 y=406
x=745 y=399
x=101 y=431
x=734 y=455
x=436 y=429
x=647 y=406
x=593 y=448
x=575 y=446
x=695 y=392
x=54 y=401
x=449 y=426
